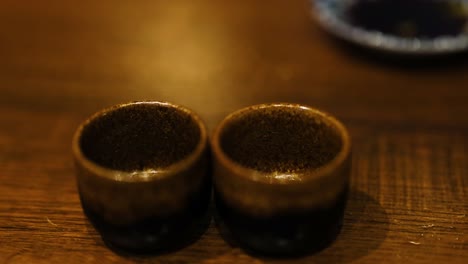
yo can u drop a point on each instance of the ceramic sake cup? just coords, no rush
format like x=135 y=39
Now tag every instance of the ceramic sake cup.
x=142 y=170
x=281 y=174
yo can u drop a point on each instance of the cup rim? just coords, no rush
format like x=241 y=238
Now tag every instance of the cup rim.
x=256 y=175
x=138 y=175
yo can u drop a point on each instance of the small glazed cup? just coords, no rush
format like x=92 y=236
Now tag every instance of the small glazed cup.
x=142 y=171
x=280 y=178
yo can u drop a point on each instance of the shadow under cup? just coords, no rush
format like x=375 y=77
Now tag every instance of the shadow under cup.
x=142 y=174
x=281 y=178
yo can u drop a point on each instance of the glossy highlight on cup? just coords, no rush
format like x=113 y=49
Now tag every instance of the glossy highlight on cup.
x=142 y=171
x=281 y=176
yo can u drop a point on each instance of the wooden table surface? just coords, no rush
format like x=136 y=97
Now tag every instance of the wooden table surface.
x=60 y=61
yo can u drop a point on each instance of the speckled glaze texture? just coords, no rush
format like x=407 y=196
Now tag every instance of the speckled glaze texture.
x=282 y=171
x=143 y=174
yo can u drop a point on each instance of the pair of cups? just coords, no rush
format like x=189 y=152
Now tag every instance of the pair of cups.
x=146 y=173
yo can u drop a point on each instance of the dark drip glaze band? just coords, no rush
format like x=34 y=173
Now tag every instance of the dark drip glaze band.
x=157 y=234
x=292 y=233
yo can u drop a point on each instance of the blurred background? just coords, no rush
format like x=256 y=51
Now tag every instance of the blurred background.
x=61 y=61
x=213 y=56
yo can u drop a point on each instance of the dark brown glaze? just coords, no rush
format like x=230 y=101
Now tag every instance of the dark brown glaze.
x=143 y=174
x=279 y=139
x=141 y=136
x=290 y=233
x=157 y=234
x=281 y=178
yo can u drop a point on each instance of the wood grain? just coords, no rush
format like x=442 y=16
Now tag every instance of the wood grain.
x=62 y=61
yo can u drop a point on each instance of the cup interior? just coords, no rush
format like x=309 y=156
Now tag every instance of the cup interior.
x=282 y=139
x=140 y=136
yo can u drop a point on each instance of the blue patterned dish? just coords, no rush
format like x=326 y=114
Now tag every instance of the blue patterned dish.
x=332 y=16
